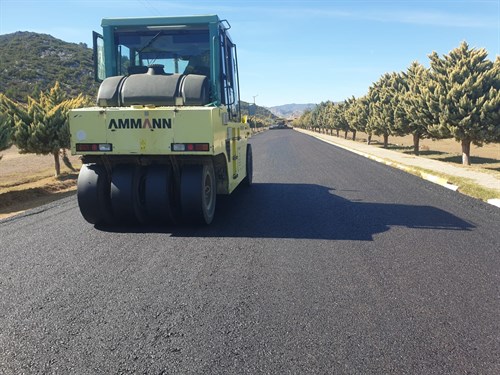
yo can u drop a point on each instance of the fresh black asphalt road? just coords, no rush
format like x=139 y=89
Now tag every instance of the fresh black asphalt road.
x=329 y=264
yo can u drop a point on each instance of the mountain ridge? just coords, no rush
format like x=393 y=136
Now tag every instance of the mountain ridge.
x=290 y=110
x=32 y=62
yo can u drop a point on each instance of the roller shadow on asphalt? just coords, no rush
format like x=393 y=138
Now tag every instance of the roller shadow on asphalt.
x=306 y=211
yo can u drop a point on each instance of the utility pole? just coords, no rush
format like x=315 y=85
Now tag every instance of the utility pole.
x=252 y=110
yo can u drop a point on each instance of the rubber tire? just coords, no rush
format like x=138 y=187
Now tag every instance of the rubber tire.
x=248 y=180
x=127 y=194
x=160 y=195
x=93 y=194
x=198 y=193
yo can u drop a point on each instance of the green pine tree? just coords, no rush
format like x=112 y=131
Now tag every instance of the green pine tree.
x=5 y=134
x=414 y=114
x=41 y=126
x=398 y=89
x=382 y=103
x=339 y=120
x=304 y=121
x=467 y=88
x=326 y=116
x=349 y=115
x=357 y=116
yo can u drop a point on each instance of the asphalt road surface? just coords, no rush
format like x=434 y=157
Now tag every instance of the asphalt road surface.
x=329 y=264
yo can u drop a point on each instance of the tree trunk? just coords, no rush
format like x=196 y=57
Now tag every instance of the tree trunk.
x=386 y=140
x=338 y=132
x=416 y=144
x=369 y=140
x=354 y=135
x=345 y=135
x=57 y=163
x=465 y=151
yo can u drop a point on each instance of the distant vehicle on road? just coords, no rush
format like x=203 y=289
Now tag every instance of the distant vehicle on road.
x=280 y=126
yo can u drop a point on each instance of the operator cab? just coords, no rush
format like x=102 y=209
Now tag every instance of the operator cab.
x=193 y=57
x=179 y=51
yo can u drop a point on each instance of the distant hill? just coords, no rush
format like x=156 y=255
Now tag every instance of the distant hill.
x=30 y=62
x=291 y=110
x=259 y=111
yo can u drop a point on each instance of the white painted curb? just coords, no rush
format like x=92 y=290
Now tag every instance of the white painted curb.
x=439 y=180
x=494 y=202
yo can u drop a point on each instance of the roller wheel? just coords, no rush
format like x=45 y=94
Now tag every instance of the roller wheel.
x=198 y=193
x=248 y=180
x=127 y=194
x=93 y=192
x=159 y=195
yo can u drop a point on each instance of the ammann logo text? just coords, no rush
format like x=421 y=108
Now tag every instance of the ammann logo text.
x=137 y=123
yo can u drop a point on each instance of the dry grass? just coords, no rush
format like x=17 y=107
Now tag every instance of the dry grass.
x=28 y=181
x=465 y=186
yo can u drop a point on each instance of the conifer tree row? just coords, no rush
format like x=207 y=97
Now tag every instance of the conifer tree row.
x=41 y=125
x=457 y=97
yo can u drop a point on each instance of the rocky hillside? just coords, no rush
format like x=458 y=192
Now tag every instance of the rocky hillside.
x=261 y=112
x=30 y=62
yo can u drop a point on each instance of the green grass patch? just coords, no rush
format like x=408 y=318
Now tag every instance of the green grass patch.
x=465 y=185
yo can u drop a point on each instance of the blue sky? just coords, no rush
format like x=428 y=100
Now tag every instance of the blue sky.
x=294 y=51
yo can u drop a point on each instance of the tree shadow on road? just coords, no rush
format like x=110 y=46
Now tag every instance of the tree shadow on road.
x=307 y=211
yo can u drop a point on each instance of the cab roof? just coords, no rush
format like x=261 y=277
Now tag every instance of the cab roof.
x=160 y=21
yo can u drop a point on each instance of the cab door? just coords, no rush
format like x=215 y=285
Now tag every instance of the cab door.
x=229 y=78
x=236 y=133
x=98 y=57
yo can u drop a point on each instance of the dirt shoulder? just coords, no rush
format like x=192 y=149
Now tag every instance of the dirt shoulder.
x=27 y=181
x=485 y=158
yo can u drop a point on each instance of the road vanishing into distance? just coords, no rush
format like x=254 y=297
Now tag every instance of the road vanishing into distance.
x=329 y=264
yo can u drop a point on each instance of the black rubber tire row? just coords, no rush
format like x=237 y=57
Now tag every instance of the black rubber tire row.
x=132 y=194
